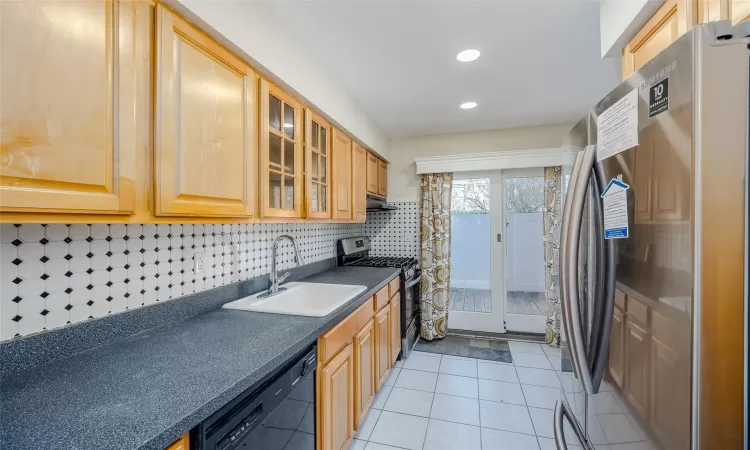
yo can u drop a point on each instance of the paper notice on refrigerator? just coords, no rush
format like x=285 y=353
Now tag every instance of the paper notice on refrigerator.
x=617 y=127
x=615 y=200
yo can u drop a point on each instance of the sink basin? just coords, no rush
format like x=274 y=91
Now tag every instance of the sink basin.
x=300 y=299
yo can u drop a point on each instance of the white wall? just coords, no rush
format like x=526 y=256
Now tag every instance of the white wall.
x=403 y=183
x=253 y=28
x=620 y=20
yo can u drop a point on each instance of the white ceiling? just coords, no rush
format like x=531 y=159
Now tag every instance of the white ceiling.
x=540 y=60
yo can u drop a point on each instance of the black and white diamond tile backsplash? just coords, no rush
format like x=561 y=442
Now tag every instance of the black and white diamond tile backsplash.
x=394 y=233
x=57 y=274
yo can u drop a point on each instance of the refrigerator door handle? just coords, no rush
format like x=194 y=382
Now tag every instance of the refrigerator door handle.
x=574 y=174
x=600 y=347
x=562 y=412
x=571 y=299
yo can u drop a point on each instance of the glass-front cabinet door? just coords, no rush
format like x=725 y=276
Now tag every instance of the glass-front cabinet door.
x=317 y=166
x=281 y=153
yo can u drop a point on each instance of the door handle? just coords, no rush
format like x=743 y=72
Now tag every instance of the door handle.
x=562 y=411
x=575 y=218
x=564 y=287
x=605 y=306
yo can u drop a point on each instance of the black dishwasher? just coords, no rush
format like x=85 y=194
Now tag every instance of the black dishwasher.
x=277 y=415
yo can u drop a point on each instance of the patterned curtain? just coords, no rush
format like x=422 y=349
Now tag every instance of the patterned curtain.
x=436 y=253
x=551 y=222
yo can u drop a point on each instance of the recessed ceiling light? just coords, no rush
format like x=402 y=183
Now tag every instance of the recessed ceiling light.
x=468 y=105
x=468 y=55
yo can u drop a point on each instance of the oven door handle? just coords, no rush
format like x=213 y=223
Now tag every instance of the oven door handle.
x=415 y=280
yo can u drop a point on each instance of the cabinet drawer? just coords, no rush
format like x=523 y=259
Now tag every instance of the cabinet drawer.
x=620 y=299
x=638 y=311
x=381 y=299
x=394 y=286
x=342 y=333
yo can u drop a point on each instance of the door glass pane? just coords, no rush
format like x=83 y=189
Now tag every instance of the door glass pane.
x=524 y=253
x=323 y=160
x=315 y=129
x=323 y=205
x=314 y=164
x=288 y=156
x=289 y=192
x=470 y=246
x=274 y=190
x=289 y=121
x=274 y=113
x=274 y=151
x=323 y=142
x=314 y=197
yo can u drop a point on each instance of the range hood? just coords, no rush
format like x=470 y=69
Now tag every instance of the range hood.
x=375 y=203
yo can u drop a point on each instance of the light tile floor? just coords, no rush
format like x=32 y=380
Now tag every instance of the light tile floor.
x=441 y=402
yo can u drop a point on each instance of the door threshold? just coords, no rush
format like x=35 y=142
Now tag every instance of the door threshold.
x=525 y=337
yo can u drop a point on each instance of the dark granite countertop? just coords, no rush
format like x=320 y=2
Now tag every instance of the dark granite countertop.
x=146 y=390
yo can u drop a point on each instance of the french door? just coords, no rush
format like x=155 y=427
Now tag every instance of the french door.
x=497 y=253
x=524 y=280
x=476 y=302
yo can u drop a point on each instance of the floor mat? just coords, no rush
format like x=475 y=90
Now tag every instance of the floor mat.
x=488 y=349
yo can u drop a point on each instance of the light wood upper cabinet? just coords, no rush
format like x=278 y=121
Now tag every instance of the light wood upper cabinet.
x=280 y=153
x=735 y=10
x=671 y=183
x=643 y=172
x=395 y=342
x=336 y=401
x=206 y=145
x=372 y=173
x=669 y=22
x=739 y=11
x=382 y=345
x=68 y=112
x=359 y=183
x=342 y=176
x=364 y=372
x=317 y=166
x=382 y=178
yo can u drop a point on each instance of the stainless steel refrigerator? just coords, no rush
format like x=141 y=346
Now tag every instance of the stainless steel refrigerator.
x=653 y=259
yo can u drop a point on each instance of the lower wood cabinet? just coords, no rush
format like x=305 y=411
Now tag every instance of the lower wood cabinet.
x=616 y=347
x=354 y=358
x=670 y=396
x=395 y=328
x=183 y=443
x=336 y=401
x=382 y=344
x=364 y=372
x=636 y=366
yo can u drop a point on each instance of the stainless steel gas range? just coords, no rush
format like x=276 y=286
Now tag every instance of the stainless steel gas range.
x=356 y=252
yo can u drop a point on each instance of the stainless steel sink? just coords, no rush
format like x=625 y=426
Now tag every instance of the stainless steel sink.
x=300 y=299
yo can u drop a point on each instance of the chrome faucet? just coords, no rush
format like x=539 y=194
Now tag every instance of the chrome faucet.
x=274 y=279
